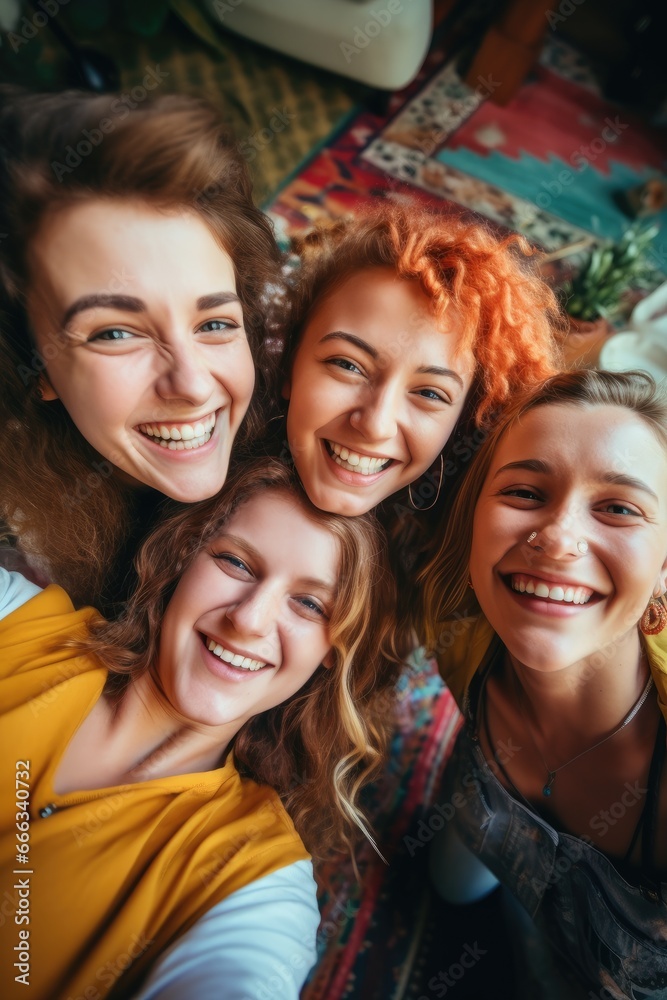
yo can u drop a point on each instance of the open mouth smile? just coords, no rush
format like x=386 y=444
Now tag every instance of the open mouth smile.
x=355 y=461
x=562 y=593
x=233 y=659
x=180 y=436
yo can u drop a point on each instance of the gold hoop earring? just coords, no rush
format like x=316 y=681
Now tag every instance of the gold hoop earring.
x=437 y=494
x=654 y=618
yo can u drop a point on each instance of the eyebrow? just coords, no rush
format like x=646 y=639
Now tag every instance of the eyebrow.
x=612 y=478
x=373 y=353
x=445 y=372
x=216 y=299
x=329 y=586
x=129 y=303
x=351 y=339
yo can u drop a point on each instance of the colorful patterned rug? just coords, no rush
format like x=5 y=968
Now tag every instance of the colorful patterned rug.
x=444 y=144
x=371 y=930
x=551 y=164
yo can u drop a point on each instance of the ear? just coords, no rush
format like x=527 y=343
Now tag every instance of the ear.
x=286 y=390
x=329 y=660
x=661 y=583
x=46 y=390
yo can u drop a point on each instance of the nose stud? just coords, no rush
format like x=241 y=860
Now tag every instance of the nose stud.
x=582 y=544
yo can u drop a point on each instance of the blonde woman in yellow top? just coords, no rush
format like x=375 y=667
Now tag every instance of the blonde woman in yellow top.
x=142 y=846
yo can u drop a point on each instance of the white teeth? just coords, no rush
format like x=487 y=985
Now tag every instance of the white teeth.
x=183 y=436
x=569 y=595
x=236 y=660
x=185 y=445
x=355 y=462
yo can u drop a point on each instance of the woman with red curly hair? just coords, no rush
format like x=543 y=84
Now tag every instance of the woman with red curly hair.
x=407 y=331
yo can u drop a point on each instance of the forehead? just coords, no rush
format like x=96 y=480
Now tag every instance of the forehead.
x=276 y=525
x=118 y=240
x=587 y=442
x=387 y=311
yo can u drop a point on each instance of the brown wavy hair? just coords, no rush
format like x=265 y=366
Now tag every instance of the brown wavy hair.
x=444 y=580
x=56 y=494
x=320 y=747
x=509 y=314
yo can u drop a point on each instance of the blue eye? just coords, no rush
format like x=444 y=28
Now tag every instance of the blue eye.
x=231 y=560
x=111 y=335
x=217 y=326
x=312 y=606
x=620 y=508
x=520 y=492
x=347 y=366
x=432 y=394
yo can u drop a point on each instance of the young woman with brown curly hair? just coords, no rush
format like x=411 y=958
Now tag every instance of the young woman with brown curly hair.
x=408 y=330
x=132 y=279
x=165 y=752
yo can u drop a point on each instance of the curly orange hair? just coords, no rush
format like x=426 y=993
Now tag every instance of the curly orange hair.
x=509 y=314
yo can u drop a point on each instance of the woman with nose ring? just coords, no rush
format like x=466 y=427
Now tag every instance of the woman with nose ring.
x=131 y=304
x=558 y=784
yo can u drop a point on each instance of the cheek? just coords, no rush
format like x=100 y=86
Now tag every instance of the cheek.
x=426 y=443
x=243 y=383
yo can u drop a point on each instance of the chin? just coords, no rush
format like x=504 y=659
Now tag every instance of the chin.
x=192 y=492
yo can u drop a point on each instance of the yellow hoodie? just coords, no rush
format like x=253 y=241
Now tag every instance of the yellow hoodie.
x=95 y=885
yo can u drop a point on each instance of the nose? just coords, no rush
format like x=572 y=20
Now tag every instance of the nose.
x=376 y=416
x=255 y=613
x=185 y=375
x=561 y=536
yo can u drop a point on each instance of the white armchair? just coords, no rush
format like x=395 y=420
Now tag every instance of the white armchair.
x=381 y=43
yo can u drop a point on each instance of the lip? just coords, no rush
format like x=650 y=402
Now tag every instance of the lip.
x=224 y=670
x=236 y=650
x=551 y=578
x=354 y=478
x=543 y=606
x=183 y=422
x=185 y=455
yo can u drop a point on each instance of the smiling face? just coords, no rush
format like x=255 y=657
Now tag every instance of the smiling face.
x=248 y=623
x=136 y=314
x=572 y=474
x=374 y=393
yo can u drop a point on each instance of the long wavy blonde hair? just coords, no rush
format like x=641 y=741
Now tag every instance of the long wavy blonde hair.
x=320 y=747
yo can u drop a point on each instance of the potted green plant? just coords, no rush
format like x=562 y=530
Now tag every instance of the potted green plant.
x=599 y=290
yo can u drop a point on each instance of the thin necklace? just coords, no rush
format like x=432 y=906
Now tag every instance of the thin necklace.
x=551 y=774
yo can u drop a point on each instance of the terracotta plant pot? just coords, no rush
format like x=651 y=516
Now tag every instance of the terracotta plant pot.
x=583 y=341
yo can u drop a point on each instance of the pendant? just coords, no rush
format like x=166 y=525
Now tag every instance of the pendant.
x=547 y=788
